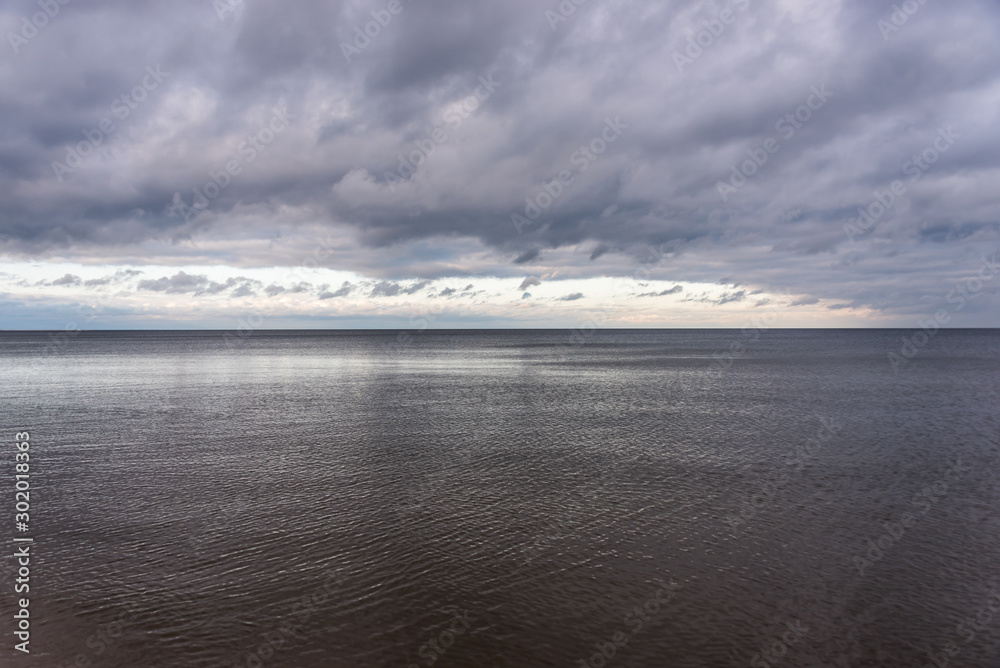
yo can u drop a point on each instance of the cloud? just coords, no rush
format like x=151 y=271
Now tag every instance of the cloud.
x=68 y=279
x=385 y=289
x=732 y=297
x=179 y=283
x=527 y=256
x=391 y=289
x=242 y=284
x=671 y=291
x=118 y=277
x=243 y=291
x=680 y=131
x=274 y=290
x=343 y=291
x=198 y=285
x=599 y=251
x=417 y=287
x=572 y=298
x=530 y=281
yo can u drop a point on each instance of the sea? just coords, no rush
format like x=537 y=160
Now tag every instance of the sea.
x=502 y=498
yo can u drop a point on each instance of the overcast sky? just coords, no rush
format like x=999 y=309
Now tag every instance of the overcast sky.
x=502 y=163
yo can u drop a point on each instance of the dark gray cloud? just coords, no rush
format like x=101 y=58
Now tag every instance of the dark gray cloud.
x=725 y=298
x=663 y=293
x=732 y=297
x=97 y=282
x=455 y=293
x=179 y=283
x=550 y=95
x=119 y=277
x=183 y=283
x=527 y=256
x=298 y=288
x=389 y=289
x=530 y=281
x=599 y=251
x=572 y=298
x=243 y=291
x=274 y=290
x=68 y=279
x=343 y=291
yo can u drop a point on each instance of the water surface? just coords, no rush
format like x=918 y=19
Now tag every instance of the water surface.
x=497 y=498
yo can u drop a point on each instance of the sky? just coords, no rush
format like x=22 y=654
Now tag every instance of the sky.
x=515 y=163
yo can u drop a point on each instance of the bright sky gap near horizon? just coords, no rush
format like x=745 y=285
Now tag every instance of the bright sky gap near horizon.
x=516 y=164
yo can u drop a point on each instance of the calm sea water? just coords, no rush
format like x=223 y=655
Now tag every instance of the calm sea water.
x=511 y=499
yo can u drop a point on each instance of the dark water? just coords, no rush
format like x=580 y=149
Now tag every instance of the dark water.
x=505 y=499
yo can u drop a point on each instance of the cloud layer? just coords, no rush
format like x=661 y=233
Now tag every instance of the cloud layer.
x=842 y=151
